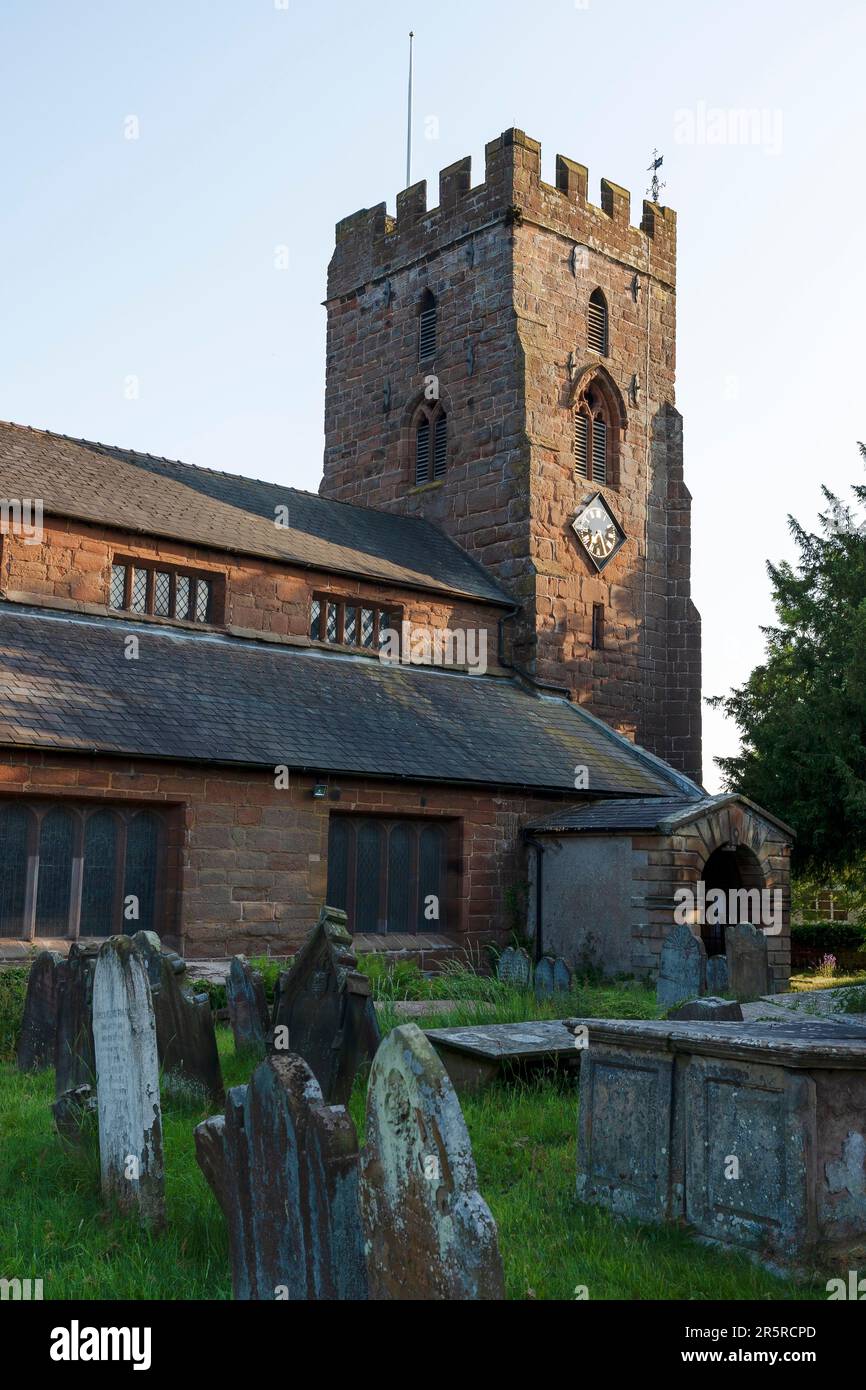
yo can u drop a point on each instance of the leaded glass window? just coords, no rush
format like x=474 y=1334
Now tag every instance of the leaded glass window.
x=202 y=600
x=56 y=834
x=350 y=629
x=98 y=884
x=118 y=586
x=161 y=594
x=316 y=620
x=182 y=592
x=366 y=627
x=139 y=591
x=14 y=830
x=345 y=622
x=386 y=874
x=142 y=842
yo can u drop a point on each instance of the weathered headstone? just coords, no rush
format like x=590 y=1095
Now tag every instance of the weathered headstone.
x=38 y=1037
x=748 y=967
x=544 y=978
x=323 y=1009
x=707 y=1010
x=127 y=1081
x=522 y=969
x=505 y=966
x=717 y=975
x=185 y=1035
x=428 y=1232
x=561 y=976
x=682 y=968
x=284 y=1168
x=248 y=1006
x=73 y=1054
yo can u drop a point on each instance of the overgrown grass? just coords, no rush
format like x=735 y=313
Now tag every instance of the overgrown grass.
x=812 y=979
x=54 y=1227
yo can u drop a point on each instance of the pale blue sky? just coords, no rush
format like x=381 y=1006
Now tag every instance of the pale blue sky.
x=260 y=127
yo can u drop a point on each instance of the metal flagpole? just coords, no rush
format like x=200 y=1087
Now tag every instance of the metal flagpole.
x=409 y=114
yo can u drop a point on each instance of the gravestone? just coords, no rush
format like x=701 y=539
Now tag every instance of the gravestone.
x=544 y=978
x=323 y=1009
x=185 y=1035
x=707 y=1010
x=521 y=969
x=505 y=966
x=38 y=1037
x=248 y=1006
x=127 y=1082
x=428 y=1232
x=73 y=1054
x=717 y=975
x=561 y=976
x=748 y=967
x=682 y=967
x=284 y=1168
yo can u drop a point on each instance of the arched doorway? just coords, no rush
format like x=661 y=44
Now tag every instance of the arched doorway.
x=729 y=867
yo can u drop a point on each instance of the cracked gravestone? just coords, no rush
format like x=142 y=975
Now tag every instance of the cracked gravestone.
x=127 y=1083
x=248 y=1006
x=682 y=967
x=185 y=1034
x=428 y=1232
x=38 y=1037
x=283 y=1166
x=748 y=967
x=323 y=1009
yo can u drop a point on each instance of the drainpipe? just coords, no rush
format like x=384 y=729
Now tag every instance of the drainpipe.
x=536 y=845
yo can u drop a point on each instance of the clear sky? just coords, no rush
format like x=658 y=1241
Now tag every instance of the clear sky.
x=142 y=299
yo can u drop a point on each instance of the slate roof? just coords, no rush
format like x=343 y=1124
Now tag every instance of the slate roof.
x=646 y=813
x=197 y=697
x=163 y=497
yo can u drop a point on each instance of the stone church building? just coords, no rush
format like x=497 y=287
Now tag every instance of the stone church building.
x=457 y=692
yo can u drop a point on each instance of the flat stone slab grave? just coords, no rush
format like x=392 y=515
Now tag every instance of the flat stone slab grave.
x=473 y=1057
x=752 y=1133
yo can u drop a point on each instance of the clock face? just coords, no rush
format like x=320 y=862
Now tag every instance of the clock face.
x=598 y=532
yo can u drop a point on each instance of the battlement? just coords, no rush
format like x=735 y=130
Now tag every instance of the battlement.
x=513 y=190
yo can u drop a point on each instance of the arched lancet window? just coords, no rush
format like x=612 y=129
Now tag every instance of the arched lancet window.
x=592 y=436
x=54 y=890
x=427 y=327
x=142 y=847
x=99 y=881
x=596 y=323
x=431 y=443
x=14 y=834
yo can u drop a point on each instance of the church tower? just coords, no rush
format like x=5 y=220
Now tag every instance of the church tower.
x=503 y=364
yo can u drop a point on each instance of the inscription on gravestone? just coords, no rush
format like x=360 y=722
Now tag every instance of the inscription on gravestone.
x=127 y=1074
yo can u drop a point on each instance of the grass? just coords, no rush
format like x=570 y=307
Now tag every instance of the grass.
x=54 y=1226
x=812 y=979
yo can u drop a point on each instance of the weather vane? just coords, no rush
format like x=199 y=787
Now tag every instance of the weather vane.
x=655 y=187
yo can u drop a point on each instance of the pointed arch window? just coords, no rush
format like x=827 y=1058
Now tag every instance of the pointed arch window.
x=596 y=323
x=427 y=327
x=431 y=444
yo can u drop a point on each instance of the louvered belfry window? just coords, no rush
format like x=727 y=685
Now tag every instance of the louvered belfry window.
x=597 y=323
x=581 y=444
x=599 y=450
x=427 y=328
x=431 y=445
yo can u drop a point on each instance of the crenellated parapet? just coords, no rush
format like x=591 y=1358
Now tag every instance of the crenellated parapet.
x=371 y=243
